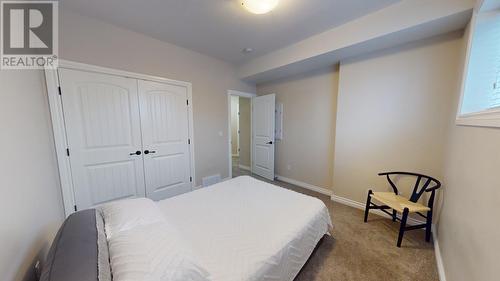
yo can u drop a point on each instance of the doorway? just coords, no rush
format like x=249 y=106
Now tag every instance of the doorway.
x=240 y=133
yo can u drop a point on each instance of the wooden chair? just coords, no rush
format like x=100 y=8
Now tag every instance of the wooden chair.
x=392 y=200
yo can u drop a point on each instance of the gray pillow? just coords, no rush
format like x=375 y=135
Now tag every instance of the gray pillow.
x=78 y=252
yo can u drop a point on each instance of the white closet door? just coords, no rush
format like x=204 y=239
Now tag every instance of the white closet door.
x=103 y=128
x=164 y=118
x=263 y=135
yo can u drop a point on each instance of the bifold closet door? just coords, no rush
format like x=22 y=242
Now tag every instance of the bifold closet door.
x=165 y=134
x=102 y=119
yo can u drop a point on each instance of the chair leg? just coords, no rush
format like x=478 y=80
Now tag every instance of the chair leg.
x=394 y=215
x=402 y=227
x=368 y=201
x=428 y=227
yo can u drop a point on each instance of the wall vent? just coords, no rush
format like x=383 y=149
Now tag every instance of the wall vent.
x=207 y=181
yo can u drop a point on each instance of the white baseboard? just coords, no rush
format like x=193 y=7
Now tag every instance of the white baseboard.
x=305 y=185
x=243 y=167
x=362 y=206
x=439 y=259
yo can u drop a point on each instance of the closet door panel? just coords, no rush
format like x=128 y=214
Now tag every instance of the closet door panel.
x=164 y=118
x=102 y=119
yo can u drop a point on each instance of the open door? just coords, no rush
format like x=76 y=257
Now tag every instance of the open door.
x=263 y=135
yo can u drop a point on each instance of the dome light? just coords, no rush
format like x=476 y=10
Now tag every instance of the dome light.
x=259 y=6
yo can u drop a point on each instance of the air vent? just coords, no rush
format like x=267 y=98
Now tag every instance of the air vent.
x=210 y=180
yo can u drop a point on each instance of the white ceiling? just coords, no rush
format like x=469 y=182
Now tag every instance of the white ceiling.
x=221 y=28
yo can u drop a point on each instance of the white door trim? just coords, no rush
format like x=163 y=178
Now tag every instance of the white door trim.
x=239 y=94
x=237 y=131
x=59 y=129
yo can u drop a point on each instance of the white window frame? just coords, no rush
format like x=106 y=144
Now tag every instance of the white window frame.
x=485 y=118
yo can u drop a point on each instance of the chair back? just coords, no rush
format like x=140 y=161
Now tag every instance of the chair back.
x=430 y=184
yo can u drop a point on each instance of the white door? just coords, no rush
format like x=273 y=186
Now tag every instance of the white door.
x=101 y=114
x=164 y=118
x=263 y=136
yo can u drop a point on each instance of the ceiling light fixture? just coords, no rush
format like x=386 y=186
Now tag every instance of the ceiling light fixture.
x=259 y=6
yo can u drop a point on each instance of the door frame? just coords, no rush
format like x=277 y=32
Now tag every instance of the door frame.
x=237 y=131
x=244 y=95
x=59 y=128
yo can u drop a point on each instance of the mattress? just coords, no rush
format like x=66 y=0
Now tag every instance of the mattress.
x=246 y=229
x=79 y=251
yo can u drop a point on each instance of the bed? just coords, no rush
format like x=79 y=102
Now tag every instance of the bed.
x=240 y=229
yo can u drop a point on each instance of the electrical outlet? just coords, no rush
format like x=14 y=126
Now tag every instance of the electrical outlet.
x=38 y=270
x=289 y=167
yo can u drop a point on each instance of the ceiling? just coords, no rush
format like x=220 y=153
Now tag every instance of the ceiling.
x=221 y=28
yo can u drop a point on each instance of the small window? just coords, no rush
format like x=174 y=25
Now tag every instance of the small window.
x=480 y=104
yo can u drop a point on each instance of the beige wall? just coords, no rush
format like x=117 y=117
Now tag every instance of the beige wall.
x=94 y=42
x=309 y=101
x=31 y=204
x=234 y=124
x=245 y=131
x=469 y=235
x=396 y=111
x=393 y=108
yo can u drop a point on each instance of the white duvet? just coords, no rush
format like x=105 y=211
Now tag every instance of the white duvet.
x=241 y=229
x=246 y=229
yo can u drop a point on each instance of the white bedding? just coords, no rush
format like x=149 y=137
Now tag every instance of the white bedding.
x=245 y=229
x=144 y=246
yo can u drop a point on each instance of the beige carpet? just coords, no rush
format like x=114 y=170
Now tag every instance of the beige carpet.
x=366 y=251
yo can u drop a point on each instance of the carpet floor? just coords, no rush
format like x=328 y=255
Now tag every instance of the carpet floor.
x=358 y=251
